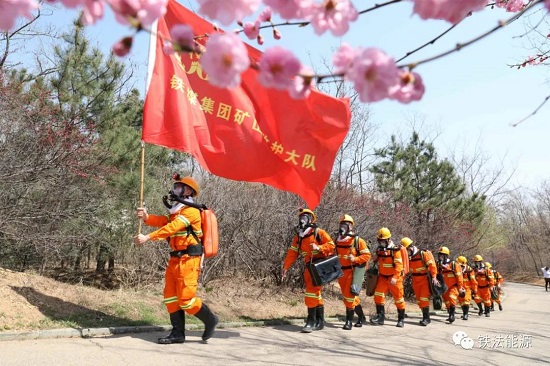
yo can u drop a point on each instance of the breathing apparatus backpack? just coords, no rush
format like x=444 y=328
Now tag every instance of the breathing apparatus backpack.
x=209 y=227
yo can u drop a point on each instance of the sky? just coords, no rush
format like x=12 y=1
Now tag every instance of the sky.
x=472 y=96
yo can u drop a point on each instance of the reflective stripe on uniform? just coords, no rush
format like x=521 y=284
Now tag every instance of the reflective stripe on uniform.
x=183 y=219
x=189 y=304
x=170 y=300
x=400 y=300
x=379 y=294
x=349 y=299
x=312 y=295
x=293 y=248
x=387 y=265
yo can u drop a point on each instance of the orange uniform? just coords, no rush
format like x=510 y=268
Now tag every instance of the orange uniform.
x=390 y=266
x=182 y=272
x=452 y=273
x=361 y=255
x=470 y=284
x=499 y=280
x=485 y=282
x=420 y=265
x=301 y=246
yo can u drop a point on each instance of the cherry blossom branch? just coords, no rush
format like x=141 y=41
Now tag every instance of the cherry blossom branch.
x=459 y=46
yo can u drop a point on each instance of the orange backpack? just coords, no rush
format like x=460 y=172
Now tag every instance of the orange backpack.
x=405 y=259
x=210 y=237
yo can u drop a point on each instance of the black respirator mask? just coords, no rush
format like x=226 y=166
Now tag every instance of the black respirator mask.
x=304 y=221
x=175 y=195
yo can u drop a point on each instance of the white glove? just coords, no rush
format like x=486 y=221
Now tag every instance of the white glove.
x=435 y=281
x=393 y=280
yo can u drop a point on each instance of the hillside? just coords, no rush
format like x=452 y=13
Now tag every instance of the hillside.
x=29 y=302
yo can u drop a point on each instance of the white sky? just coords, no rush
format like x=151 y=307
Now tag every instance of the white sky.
x=472 y=96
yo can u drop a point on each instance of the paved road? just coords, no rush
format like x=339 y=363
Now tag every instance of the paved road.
x=519 y=335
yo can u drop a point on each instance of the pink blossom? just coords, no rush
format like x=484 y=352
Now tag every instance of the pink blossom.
x=93 y=11
x=547 y=4
x=265 y=15
x=225 y=59
x=373 y=73
x=289 y=9
x=343 y=58
x=71 y=3
x=182 y=35
x=333 y=15
x=278 y=66
x=252 y=30
x=512 y=6
x=301 y=86
x=409 y=88
x=145 y=11
x=227 y=11
x=11 y=9
x=276 y=34
x=452 y=11
x=123 y=47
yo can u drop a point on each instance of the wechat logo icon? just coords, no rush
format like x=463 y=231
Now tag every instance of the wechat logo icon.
x=462 y=339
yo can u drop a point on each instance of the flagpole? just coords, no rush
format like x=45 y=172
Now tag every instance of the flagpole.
x=150 y=67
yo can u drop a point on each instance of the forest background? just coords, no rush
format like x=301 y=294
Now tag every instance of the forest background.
x=70 y=119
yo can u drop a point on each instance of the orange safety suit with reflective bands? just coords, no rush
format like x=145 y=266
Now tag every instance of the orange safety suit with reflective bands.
x=420 y=265
x=499 y=280
x=358 y=248
x=452 y=273
x=182 y=273
x=302 y=247
x=390 y=266
x=470 y=284
x=485 y=282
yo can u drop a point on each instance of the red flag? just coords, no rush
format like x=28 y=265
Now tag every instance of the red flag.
x=249 y=133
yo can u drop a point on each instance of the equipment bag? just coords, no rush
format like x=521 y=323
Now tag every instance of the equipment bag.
x=437 y=290
x=405 y=259
x=325 y=270
x=494 y=293
x=371 y=279
x=358 y=272
x=210 y=236
x=437 y=302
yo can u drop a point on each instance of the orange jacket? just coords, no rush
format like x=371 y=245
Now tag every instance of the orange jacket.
x=390 y=262
x=452 y=272
x=469 y=278
x=175 y=226
x=498 y=278
x=303 y=247
x=485 y=278
x=419 y=261
x=346 y=246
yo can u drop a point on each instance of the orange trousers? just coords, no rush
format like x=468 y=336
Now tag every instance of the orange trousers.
x=180 y=287
x=450 y=297
x=421 y=288
x=465 y=301
x=483 y=295
x=312 y=296
x=350 y=300
x=383 y=285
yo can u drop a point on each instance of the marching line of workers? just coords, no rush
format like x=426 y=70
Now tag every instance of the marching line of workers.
x=458 y=282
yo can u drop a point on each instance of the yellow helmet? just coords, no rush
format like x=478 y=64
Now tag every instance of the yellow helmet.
x=462 y=259
x=383 y=233
x=347 y=218
x=444 y=250
x=488 y=265
x=406 y=242
x=307 y=211
x=188 y=181
x=478 y=258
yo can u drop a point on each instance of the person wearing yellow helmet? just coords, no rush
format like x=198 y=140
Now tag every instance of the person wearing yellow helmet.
x=354 y=255
x=452 y=274
x=423 y=268
x=390 y=278
x=311 y=242
x=183 y=269
x=470 y=285
x=485 y=282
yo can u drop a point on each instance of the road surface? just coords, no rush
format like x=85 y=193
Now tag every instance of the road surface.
x=519 y=335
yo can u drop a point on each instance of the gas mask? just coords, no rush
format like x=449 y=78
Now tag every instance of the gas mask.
x=345 y=229
x=304 y=221
x=382 y=243
x=443 y=258
x=412 y=250
x=175 y=195
x=479 y=265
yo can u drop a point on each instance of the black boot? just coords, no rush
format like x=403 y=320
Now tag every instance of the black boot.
x=210 y=321
x=360 y=315
x=400 y=318
x=499 y=306
x=177 y=335
x=320 y=321
x=480 y=307
x=379 y=319
x=349 y=319
x=451 y=317
x=425 y=316
x=492 y=306
x=311 y=319
x=465 y=309
x=487 y=311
